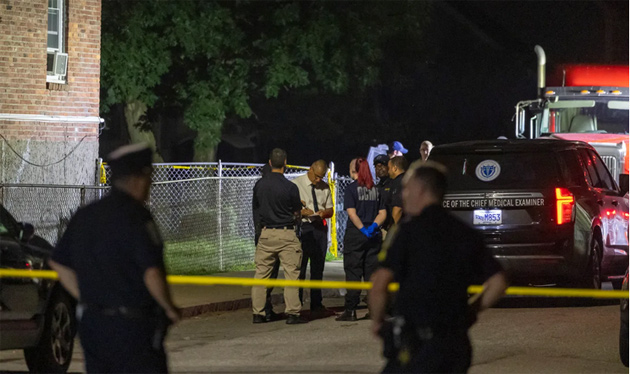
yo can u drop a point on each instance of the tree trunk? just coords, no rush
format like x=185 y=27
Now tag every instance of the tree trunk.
x=205 y=154
x=133 y=112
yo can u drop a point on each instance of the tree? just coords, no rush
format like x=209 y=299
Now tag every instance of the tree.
x=210 y=59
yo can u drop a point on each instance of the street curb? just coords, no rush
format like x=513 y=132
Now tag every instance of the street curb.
x=224 y=306
x=232 y=305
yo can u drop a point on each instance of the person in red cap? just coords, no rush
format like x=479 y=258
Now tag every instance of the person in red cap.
x=111 y=260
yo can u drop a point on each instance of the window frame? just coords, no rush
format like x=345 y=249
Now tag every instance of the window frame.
x=61 y=34
x=602 y=171
x=590 y=174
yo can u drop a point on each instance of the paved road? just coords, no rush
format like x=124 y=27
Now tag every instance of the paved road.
x=518 y=337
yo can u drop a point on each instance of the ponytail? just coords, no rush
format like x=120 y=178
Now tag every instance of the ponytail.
x=364 y=177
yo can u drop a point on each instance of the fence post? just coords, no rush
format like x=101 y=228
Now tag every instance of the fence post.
x=83 y=196
x=220 y=215
x=97 y=174
x=332 y=183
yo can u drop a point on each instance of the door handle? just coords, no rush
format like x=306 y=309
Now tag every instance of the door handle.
x=615 y=202
x=600 y=202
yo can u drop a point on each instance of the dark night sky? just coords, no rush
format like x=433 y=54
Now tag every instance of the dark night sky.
x=460 y=82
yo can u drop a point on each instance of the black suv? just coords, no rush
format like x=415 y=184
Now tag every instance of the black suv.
x=549 y=209
x=36 y=315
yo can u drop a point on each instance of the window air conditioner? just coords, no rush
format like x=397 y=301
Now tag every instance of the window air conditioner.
x=60 y=64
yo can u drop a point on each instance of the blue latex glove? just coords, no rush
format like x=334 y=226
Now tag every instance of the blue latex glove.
x=373 y=230
x=366 y=231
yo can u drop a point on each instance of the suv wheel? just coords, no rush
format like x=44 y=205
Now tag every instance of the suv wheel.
x=54 y=350
x=593 y=277
x=623 y=344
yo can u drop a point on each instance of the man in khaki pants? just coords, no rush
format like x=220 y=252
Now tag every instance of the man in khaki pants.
x=277 y=204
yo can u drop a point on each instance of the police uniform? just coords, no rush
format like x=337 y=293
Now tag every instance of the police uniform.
x=435 y=257
x=109 y=245
x=277 y=200
x=384 y=188
x=314 y=233
x=395 y=196
x=360 y=252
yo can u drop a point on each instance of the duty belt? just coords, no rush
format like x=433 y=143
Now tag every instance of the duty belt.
x=288 y=227
x=123 y=311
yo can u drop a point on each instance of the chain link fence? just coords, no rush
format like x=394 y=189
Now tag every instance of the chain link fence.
x=48 y=207
x=204 y=211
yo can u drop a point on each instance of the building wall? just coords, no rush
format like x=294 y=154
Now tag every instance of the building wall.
x=49 y=132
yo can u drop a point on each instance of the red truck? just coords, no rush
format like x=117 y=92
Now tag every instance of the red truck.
x=584 y=102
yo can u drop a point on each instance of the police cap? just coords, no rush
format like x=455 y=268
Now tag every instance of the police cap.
x=381 y=159
x=133 y=159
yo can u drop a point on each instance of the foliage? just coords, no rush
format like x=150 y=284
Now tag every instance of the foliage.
x=209 y=59
x=331 y=257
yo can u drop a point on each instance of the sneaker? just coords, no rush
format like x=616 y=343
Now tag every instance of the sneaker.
x=295 y=320
x=259 y=319
x=348 y=315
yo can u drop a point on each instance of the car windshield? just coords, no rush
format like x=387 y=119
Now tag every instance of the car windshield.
x=8 y=225
x=517 y=170
x=599 y=115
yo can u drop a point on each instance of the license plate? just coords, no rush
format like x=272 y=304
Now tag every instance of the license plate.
x=487 y=217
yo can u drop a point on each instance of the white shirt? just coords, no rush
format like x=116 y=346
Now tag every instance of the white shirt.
x=322 y=192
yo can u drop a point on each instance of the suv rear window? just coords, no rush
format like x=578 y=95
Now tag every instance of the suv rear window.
x=518 y=170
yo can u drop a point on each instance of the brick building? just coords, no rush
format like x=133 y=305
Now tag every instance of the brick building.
x=49 y=90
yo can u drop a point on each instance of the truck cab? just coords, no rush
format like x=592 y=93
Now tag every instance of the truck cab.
x=585 y=103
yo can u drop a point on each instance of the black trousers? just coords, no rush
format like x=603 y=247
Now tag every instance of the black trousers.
x=118 y=344
x=360 y=258
x=446 y=352
x=314 y=246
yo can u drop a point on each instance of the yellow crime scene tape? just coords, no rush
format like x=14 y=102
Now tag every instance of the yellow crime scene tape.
x=334 y=245
x=249 y=282
x=242 y=167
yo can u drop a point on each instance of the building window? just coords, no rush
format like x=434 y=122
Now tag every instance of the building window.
x=57 y=59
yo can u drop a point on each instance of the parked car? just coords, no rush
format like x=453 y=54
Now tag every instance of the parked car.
x=549 y=209
x=623 y=329
x=36 y=315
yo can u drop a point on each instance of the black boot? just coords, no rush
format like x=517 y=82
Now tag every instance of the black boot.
x=295 y=320
x=272 y=316
x=348 y=315
x=259 y=319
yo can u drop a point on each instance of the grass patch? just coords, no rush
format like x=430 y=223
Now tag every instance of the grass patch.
x=331 y=257
x=205 y=257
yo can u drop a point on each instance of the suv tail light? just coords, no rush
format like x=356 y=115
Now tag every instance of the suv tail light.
x=564 y=205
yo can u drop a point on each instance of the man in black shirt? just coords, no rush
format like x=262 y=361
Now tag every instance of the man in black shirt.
x=381 y=170
x=435 y=258
x=276 y=203
x=396 y=168
x=270 y=315
x=110 y=259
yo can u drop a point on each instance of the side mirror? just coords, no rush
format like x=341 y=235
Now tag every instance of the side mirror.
x=27 y=231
